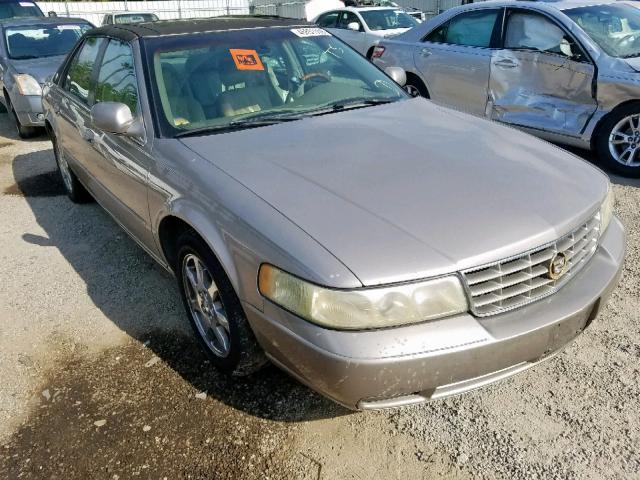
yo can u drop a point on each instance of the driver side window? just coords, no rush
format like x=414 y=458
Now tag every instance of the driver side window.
x=530 y=31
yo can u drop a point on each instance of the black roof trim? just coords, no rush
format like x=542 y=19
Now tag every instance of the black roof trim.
x=18 y=21
x=195 y=25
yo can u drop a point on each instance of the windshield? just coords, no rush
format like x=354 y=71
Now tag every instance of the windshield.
x=135 y=18
x=388 y=19
x=36 y=41
x=615 y=28
x=19 y=9
x=214 y=81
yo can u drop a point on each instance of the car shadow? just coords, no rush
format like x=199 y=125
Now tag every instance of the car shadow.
x=141 y=298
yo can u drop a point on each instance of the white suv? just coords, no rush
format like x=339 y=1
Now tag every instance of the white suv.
x=363 y=27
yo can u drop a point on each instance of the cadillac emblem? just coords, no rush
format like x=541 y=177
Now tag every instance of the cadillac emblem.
x=557 y=266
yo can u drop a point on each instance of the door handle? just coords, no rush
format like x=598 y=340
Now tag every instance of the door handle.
x=506 y=63
x=425 y=52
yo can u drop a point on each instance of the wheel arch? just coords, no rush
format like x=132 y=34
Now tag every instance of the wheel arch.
x=182 y=218
x=597 y=129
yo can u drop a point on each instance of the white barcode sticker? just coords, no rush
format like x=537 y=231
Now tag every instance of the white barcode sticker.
x=310 y=32
x=27 y=4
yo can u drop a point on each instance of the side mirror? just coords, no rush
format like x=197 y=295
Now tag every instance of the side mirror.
x=397 y=74
x=52 y=14
x=355 y=26
x=115 y=117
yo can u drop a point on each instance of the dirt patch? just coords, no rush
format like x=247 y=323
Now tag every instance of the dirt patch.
x=46 y=184
x=130 y=412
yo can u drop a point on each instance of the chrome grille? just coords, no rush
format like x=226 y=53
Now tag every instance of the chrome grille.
x=523 y=279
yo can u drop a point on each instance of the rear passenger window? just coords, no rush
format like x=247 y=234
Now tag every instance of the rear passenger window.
x=117 y=78
x=328 y=20
x=472 y=29
x=78 y=81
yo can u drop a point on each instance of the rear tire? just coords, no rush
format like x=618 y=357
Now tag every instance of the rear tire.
x=618 y=141
x=214 y=309
x=75 y=190
x=23 y=132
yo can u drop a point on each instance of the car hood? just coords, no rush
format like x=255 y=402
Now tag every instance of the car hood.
x=394 y=32
x=39 y=68
x=410 y=189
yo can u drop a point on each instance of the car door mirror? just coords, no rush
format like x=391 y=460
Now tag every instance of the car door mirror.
x=397 y=74
x=355 y=26
x=52 y=14
x=115 y=117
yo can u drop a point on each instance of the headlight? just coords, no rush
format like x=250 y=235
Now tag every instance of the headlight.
x=606 y=210
x=363 y=308
x=27 y=85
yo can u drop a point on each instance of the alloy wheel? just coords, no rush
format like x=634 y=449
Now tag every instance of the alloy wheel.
x=205 y=305
x=412 y=90
x=624 y=141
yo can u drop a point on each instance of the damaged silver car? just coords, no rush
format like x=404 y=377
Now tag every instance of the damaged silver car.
x=566 y=71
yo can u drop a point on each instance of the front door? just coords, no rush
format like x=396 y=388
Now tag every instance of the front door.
x=455 y=60
x=541 y=79
x=355 y=39
x=76 y=92
x=124 y=159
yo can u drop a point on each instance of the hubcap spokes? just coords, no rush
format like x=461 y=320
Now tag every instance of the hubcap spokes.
x=411 y=90
x=206 y=305
x=624 y=141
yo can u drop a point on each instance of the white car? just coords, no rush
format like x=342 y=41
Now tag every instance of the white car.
x=363 y=27
x=117 y=18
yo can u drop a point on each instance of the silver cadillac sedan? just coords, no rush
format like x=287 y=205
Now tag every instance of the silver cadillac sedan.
x=381 y=249
x=567 y=70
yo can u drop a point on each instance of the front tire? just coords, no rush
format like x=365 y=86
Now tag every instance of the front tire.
x=75 y=190
x=618 y=141
x=214 y=309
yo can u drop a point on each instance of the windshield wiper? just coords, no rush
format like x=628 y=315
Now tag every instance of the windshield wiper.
x=347 y=104
x=632 y=55
x=242 y=124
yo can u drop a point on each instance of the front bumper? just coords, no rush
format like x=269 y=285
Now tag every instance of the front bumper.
x=29 y=110
x=415 y=363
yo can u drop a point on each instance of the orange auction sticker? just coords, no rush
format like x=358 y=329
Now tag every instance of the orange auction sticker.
x=246 y=59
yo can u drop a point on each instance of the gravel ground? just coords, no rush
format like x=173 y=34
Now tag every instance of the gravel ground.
x=101 y=377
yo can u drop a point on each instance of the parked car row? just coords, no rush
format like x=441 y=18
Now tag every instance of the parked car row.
x=31 y=50
x=380 y=248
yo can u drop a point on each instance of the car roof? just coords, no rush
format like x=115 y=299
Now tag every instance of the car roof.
x=195 y=25
x=24 y=21
x=549 y=4
x=128 y=12
x=366 y=9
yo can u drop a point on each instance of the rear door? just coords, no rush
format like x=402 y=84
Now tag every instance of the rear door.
x=541 y=78
x=455 y=59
